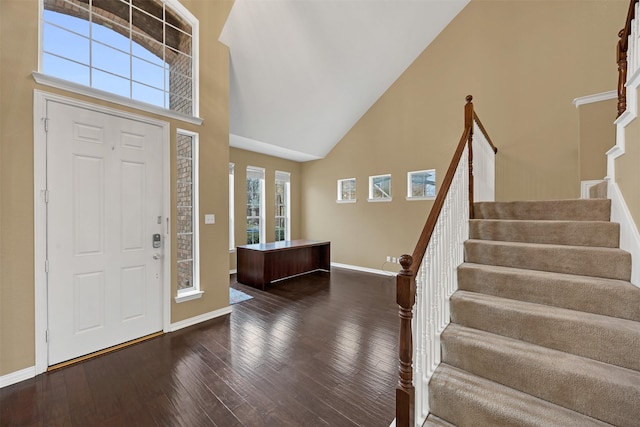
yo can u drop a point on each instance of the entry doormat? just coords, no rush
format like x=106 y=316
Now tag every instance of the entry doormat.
x=236 y=296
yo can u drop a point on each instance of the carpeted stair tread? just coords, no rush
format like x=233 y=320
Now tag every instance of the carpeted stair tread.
x=608 y=297
x=572 y=210
x=602 y=338
x=609 y=263
x=599 y=390
x=433 y=421
x=574 y=233
x=464 y=399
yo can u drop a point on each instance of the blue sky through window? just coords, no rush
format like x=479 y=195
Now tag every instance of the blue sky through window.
x=94 y=55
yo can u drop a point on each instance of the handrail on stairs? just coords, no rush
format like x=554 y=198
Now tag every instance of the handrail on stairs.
x=622 y=57
x=411 y=264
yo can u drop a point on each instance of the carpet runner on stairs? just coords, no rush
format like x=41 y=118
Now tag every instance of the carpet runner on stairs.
x=545 y=325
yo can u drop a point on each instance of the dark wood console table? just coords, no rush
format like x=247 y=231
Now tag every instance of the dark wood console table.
x=262 y=263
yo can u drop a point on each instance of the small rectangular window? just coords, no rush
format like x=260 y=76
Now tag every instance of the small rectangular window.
x=283 y=229
x=255 y=205
x=421 y=185
x=380 y=188
x=347 y=190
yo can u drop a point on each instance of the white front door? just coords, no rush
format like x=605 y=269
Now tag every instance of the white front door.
x=104 y=180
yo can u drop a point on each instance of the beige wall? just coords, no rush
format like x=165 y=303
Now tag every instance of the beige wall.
x=18 y=58
x=524 y=62
x=597 y=136
x=242 y=159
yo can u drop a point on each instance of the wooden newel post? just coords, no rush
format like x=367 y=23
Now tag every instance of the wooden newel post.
x=468 y=124
x=622 y=72
x=405 y=391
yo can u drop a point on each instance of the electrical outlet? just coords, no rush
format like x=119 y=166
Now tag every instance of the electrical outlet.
x=388 y=258
x=394 y=260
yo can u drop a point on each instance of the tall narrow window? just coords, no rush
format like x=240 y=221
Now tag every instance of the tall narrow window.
x=380 y=188
x=138 y=49
x=232 y=237
x=187 y=214
x=283 y=216
x=255 y=205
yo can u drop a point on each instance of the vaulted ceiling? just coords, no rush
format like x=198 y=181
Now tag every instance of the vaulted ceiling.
x=303 y=72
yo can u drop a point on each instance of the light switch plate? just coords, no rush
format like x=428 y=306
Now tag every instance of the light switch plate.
x=209 y=219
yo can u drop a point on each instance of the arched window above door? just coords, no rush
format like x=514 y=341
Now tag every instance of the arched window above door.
x=138 y=49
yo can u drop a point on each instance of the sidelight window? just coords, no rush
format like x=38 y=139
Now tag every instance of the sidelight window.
x=188 y=271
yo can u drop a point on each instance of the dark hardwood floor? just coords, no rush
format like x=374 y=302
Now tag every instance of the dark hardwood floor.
x=314 y=350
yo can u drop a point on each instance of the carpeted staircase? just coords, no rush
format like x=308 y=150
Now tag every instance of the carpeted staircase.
x=545 y=325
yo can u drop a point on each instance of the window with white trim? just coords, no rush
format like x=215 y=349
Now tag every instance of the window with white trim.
x=255 y=205
x=139 y=49
x=232 y=237
x=421 y=185
x=187 y=219
x=283 y=210
x=347 y=190
x=380 y=188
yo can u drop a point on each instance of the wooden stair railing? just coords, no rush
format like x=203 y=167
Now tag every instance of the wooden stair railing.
x=621 y=56
x=406 y=278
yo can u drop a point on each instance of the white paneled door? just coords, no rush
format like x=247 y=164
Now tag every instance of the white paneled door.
x=104 y=180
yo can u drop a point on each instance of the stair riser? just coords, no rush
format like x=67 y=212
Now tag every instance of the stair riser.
x=562 y=210
x=592 y=295
x=586 y=261
x=556 y=377
x=614 y=341
x=574 y=233
x=467 y=400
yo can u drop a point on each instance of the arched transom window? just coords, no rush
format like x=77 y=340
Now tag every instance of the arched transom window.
x=139 y=49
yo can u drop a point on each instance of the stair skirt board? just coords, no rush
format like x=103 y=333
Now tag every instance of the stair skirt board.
x=545 y=323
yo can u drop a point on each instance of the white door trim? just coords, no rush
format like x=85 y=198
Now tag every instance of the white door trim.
x=40 y=213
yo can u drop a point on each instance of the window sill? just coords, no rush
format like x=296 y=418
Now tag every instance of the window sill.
x=346 y=201
x=188 y=296
x=46 y=80
x=380 y=200
x=421 y=198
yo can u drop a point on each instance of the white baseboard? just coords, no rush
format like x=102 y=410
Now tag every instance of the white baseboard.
x=629 y=236
x=17 y=376
x=365 y=269
x=232 y=272
x=198 y=319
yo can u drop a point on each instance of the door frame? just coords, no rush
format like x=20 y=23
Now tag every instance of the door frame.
x=40 y=101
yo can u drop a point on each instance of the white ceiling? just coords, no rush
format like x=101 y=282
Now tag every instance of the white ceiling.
x=303 y=72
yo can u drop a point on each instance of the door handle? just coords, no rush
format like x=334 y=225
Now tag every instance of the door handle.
x=156 y=256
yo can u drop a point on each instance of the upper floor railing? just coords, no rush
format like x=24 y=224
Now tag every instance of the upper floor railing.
x=628 y=53
x=428 y=277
